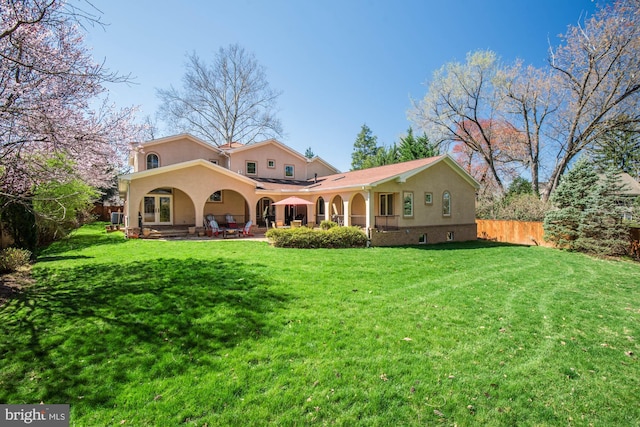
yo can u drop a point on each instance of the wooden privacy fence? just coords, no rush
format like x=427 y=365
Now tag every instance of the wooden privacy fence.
x=519 y=232
x=530 y=233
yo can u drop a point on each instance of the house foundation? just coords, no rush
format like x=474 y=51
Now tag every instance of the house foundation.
x=423 y=235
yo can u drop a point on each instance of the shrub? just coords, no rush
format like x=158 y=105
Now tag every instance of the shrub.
x=11 y=259
x=305 y=238
x=327 y=224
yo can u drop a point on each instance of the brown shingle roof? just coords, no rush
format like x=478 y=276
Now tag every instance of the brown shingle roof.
x=372 y=176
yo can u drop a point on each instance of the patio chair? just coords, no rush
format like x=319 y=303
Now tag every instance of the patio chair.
x=246 y=231
x=231 y=222
x=210 y=223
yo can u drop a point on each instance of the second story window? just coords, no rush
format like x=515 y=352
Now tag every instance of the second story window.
x=289 y=171
x=252 y=168
x=153 y=161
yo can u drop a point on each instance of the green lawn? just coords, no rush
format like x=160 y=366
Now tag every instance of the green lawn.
x=155 y=333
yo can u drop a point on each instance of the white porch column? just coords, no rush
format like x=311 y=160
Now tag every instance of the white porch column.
x=368 y=206
x=346 y=208
x=327 y=209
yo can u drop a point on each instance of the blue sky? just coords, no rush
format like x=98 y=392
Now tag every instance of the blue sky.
x=339 y=63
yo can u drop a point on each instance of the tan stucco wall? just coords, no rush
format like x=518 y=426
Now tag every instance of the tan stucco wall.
x=178 y=151
x=436 y=180
x=196 y=183
x=316 y=167
x=183 y=210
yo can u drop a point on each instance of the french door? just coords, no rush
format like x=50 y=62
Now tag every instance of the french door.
x=158 y=209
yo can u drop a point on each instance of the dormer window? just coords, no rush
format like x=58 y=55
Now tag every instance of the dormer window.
x=153 y=161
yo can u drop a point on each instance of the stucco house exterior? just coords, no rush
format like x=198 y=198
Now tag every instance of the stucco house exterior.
x=178 y=181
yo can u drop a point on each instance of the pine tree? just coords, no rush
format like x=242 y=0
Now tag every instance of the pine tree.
x=601 y=230
x=364 y=148
x=571 y=199
x=309 y=154
x=412 y=148
x=619 y=150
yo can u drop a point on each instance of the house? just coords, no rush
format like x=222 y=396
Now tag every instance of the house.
x=177 y=181
x=629 y=193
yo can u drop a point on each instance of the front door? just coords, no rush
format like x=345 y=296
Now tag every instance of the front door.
x=157 y=210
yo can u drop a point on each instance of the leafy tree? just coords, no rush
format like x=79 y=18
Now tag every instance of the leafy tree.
x=509 y=116
x=601 y=230
x=518 y=204
x=365 y=148
x=58 y=205
x=593 y=76
x=519 y=186
x=456 y=107
x=53 y=103
x=412 y=148
x=225 y=101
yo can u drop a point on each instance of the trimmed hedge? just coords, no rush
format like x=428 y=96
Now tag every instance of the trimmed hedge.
x=305 y=238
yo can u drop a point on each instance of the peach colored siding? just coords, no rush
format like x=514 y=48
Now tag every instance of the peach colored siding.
x=260 y=155
x=178 y=151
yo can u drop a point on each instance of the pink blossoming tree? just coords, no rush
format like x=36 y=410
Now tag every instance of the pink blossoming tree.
x=53 y=103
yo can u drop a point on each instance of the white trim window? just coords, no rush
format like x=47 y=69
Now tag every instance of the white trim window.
x=446 y=204
x=153 y=161
x=289 y=171
x=428 y=198
x=251 y=167
x=407 y=204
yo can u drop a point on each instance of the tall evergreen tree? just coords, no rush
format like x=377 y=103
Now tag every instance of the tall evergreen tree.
x=619 y=150
x=364 y=148
x=383 y=156
x=601 y=230
x=570 y=199
x=412 y=148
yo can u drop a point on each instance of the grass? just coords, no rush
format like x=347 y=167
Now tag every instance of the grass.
x=148 y=333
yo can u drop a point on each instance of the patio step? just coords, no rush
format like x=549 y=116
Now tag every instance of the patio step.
x=161 y=234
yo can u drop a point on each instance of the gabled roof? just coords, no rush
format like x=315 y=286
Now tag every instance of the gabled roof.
x=244 y=147
x=236 y=147
x=186 y=165
x=178 y=137
x=230 y=145
x=631 y=187
x=375 y=176
x=317 y=159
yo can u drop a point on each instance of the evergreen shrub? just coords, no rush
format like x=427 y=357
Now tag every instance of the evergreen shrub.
x=305 y=238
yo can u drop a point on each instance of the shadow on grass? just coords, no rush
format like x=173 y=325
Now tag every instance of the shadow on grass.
x=472 y=244
x=87 y=236
x=86 y=332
